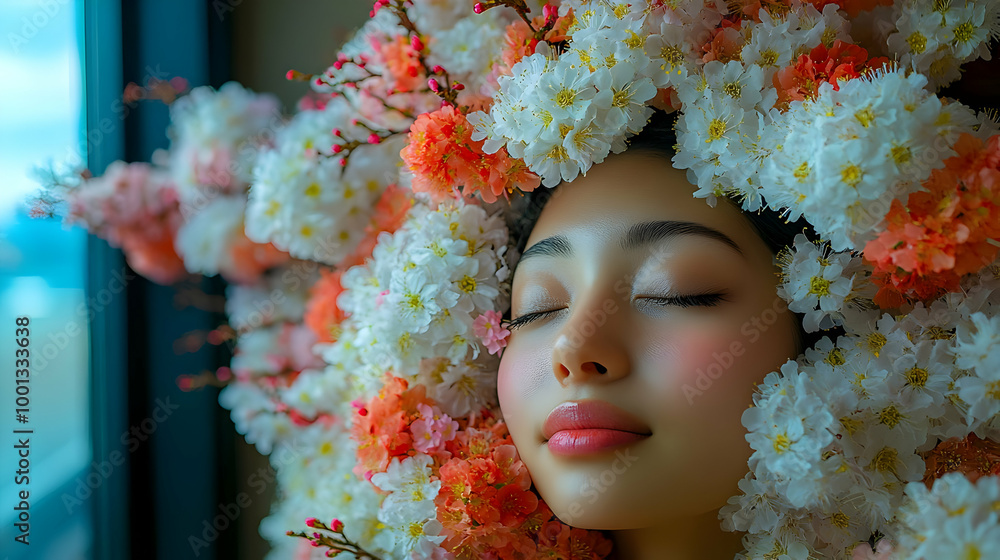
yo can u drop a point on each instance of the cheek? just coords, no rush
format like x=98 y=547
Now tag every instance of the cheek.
x=692 y=359
x=521 y=376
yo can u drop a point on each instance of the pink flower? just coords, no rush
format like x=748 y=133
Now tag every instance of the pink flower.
x=432 y=430
x=488 y=328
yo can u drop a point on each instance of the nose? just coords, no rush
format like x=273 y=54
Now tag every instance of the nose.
x=590 y=348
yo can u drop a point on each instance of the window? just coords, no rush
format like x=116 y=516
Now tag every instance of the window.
x=43 y=277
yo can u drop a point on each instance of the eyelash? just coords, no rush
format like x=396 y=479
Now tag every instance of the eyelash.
x=703 y=300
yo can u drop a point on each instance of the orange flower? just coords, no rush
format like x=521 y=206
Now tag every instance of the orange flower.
x=402 y=62
x=323 y=315
x=972 y=456
x=801 y=81
x=151 y=253
x=447 y=162
x=250 y=260
x=520 y=41
x=382 y=425
x=726 y=43
x=389 y=214
x=943 y=233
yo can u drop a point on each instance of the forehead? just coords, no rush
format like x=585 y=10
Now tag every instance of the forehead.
x=632 y=188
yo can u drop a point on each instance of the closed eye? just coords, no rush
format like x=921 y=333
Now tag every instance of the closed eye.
x=692 y=300
x=529 y=317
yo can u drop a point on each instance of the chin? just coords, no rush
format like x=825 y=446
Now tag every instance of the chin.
x=613 y=491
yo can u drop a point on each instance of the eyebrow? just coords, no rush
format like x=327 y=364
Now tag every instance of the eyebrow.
x=637 y=236
x=645 y=233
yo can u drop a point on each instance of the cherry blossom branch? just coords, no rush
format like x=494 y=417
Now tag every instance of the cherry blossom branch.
x=337 y=543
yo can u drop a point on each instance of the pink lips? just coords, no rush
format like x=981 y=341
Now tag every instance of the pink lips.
x=588 y=427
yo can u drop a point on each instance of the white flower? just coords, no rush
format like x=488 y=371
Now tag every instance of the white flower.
x=757 y=510
x=304 y=201
x=935 y=39
x=468 y=50
x=788 y=423
x=466 y=388
x=412 y=491
x=216 y=136
x=205 y=242
x=816 y=283
x=673 y=56
x=955 y=519
x=842 y=158
x=978 y=345
x=742 y=85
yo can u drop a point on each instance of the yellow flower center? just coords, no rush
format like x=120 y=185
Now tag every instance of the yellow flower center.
x=835 y=357
x=716 y=129
x=634 y=40
x=916 y=377
x=917 y=42
x=565 y=98
x=467 y=284
x=781 y=443
x=802 y=171
x=964 y=32
x=672 y=56
x=865 y=116
x=733 y=89
x=900 y=154
x=885 y=460
x=993 y=389
x=622 y=98
x=876 y=341
x=851 y=174
x=890 y=416
x=769 y=58
x=819 y=286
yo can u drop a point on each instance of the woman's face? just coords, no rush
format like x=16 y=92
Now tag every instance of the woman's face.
x=652 y=316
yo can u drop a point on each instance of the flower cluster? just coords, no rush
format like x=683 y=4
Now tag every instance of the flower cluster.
x=442 y=156
x=212 y=242
x=936 y=38
x=561 y=116
x=840 y=158
x=133 y=206
x=838 y=434
x=423 y=289
x=215 y=138
x=956 y=518
x=944 y=232
x=455 y=487
x=309 y=203
x=819 y=284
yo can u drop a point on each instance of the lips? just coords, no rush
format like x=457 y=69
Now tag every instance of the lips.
x=588 y=427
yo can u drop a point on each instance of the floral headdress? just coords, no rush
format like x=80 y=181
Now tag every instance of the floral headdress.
x=366 y=356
